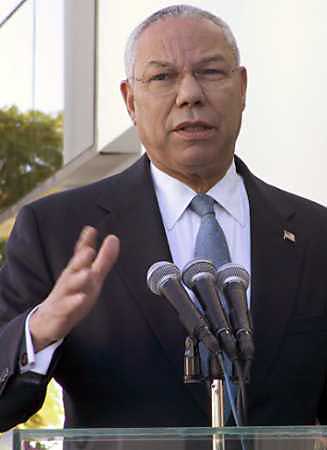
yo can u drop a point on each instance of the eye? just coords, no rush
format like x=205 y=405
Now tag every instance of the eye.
x=212 y=72
x=160 y=77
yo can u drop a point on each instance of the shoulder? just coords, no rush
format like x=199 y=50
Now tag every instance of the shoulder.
x=84 y=197
x=286 y=204
x=299 y=203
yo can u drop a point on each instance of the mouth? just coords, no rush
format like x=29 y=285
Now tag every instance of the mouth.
x=194 y=130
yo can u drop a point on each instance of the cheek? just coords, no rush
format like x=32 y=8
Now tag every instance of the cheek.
x=231 y=111
x=147 y=129
x=152 y=119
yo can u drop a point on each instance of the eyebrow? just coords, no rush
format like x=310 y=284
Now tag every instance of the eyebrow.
x=166 y=64
x=213 y=58
x=157 y=63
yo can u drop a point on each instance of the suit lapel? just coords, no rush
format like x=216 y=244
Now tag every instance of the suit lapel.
x=133 y=215
x=275 y=267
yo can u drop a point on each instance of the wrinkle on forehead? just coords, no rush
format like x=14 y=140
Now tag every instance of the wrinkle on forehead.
x=182 y=42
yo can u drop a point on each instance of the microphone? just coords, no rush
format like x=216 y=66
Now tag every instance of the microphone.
x=164 y=278
x=200 y=276
x=233 y=281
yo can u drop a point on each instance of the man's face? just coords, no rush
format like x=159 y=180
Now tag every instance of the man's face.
x=191 y=129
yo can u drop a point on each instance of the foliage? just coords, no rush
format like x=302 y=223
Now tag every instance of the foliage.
x=30 y=151
x=51 y=414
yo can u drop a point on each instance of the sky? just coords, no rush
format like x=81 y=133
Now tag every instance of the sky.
x=32 y=80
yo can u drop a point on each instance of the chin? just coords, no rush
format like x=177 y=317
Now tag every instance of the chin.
x=206 y=165
x=201 y=158
x=197 y=168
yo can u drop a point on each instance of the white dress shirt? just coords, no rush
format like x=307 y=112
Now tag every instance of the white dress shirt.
x=37 y=362
x=181 y=225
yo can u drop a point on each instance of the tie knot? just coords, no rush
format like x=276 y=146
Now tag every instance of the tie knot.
x=202 y=204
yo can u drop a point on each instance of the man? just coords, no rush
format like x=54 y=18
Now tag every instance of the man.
x=116 y=349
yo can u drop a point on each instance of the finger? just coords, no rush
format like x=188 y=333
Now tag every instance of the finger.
x=106 y=257
x=86 y=238
x=83 y=258
x=79 y=281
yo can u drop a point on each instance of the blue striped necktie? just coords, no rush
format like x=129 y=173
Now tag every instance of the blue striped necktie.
x=211 y=244
x=210 y=241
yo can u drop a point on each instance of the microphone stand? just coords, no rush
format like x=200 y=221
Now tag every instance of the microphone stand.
x=193 y=374
x=216 y=377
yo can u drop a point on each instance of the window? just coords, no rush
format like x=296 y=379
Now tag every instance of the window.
x=31 y=95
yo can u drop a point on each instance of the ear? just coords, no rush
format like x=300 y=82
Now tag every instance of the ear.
x=128 y=95
x=244 y=82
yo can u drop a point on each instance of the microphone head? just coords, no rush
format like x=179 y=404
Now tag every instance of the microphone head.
x=159 y=272
x=230 y=272
x=195 y=268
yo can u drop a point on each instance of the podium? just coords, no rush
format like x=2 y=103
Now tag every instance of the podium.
x=229 y=438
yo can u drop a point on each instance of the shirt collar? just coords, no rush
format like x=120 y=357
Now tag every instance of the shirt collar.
x=228 y=194
x=175 y=196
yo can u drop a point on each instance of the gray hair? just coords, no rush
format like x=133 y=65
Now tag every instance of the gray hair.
x=175 y=11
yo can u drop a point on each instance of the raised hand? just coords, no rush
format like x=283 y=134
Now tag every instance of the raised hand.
x=76 y=290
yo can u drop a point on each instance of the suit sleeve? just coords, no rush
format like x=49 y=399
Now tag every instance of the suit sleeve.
x=25 y=280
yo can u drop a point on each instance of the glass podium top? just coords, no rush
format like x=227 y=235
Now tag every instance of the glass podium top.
x=228 y=438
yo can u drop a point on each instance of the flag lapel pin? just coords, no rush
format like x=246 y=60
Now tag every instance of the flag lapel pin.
x=287 y=235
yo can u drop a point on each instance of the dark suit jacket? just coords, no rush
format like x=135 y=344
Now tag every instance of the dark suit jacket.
x=123 y=365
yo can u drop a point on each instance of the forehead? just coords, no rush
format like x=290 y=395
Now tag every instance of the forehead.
x=182 y=41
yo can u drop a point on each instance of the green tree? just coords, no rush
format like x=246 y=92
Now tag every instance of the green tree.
x=30 y=151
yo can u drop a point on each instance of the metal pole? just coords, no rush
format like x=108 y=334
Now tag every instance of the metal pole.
x=217 y=413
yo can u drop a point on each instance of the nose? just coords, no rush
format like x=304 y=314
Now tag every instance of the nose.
x=189 y=92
